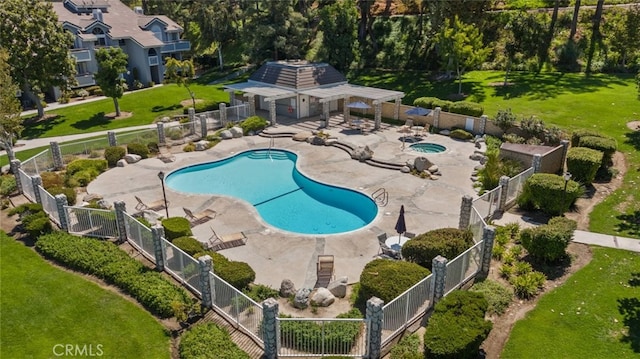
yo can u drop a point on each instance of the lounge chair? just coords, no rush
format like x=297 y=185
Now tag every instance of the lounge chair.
x=153 y=206
x=324 y=269
x=218 y=242
x=199 y=218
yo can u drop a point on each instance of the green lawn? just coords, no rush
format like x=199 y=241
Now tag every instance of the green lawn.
x=145 y=106
x=595 y=314
x=43 y=306
x=601 y=102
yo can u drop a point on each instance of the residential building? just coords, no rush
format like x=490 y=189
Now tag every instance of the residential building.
x=146 y=39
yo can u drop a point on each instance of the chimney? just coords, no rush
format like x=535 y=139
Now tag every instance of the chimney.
x=138 y=10
x=97 y=14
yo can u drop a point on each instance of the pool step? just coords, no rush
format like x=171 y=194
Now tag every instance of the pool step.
x=263 y=154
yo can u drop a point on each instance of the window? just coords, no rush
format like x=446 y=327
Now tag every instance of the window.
x=81 y=68
x=102 y=39
x=121 y=42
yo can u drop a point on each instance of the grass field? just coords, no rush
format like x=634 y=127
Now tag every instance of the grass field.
x=43 y=306
x=595 y=314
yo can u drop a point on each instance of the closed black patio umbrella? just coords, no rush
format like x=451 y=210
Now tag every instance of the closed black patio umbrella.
x=401 y=226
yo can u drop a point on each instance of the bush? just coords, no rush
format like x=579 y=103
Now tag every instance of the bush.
x=467 y=108
x=201 y=106
x=207 y=340
x=497 y=295
x=36 y=224
x=8 y=185
x=139 y=149
x=189 y=245
x=260 y=292
x=457 y=327
x=546 y=192
x=605 y=145
x=583 y=163
x=505 y=120
x=548 y=243
x=238 y=274
x=70 y=193
x=108 y=262
x=460 y=134
x=190 y=147
x=94 y=90
x=52 y=179
x=578 y=134
x=114 y=154
x=176 y=227
x=407 y=348
x=528 y=285
x=447 y=242
x=85 y=164
x=426 y=102
x=386 y=279
x=253 y=124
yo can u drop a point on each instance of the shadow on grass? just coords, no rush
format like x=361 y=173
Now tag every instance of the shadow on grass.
x=630 y=223
x=552 y=271
x=35 y=128
x=633 y=138
x=630 y=310
x=96 y=120
x=158 y=108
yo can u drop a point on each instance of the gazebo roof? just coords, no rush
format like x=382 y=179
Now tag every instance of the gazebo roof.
x=297 y=75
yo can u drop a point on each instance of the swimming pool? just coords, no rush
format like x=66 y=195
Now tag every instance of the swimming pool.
x=284 y=198
x=428 y=147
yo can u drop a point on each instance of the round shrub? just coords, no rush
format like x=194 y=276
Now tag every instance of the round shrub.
x=207 y=340
x=426 y=102
x=467 y=108
x=583 y=164
x=36 y=224
x=446 y=242
x=114 y=154
x=386 y=279
x=578 y=134
x=548 y=243
x=546 y=191
x=607 y=146
x=176 y=227
x=460 y=134
x=86 y=164
x=139 y=149
x=253 y=124
x=238 y=274
x=497 y=295
x=70 y=193
x=153 y=147
x=189 y=245
x=190 y=147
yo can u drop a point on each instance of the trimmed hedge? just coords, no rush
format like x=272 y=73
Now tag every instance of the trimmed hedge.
x=114 y=154
x=82 y=171
x=497 y=295
x=253 y=124
x=386 y=279
x=432 y=103
x=139 y=149
x=583 y=164
x=578 y=134
x=238 y=274
x=176 y=227
x=460 y=134
x=189 y=245
x=546 y=192
x=607 y=146
x=467 y=108
x=108 y=262
x=208 y=341
x=457 y=327
x=33 y=218
x=447 y=242
x=70 y=193
x=548 y=243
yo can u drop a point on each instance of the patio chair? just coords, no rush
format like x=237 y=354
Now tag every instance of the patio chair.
x=199 y=218
x=153 y=206
x=219 y=242
x=325 y=269
x=388 y=253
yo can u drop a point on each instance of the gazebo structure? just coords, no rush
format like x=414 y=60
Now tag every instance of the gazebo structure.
x=300 y=89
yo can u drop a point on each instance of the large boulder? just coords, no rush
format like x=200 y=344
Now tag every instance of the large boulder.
x=422 y=163
x=362 y=153
x=236 y=131
x=338 y=287
x=322 y=297
x=302 y=136
x=121 y=163
x=226 y=135
x=132 y=158
x=301 y=300
x=316 y=140
x=287 y=288
x=202 y=145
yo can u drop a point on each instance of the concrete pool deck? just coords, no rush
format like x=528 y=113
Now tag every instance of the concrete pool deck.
x=276 y=255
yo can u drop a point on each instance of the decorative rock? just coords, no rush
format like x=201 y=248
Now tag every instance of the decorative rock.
x=362 y=153
x=301 y=300
x=483 y=160
x=322 y=297
x=405 y=169
x=302 y=136
x=287 y=288
x=422 y=163
x=434 y=177
x=132 y=158
x=236 y=131
x=478 y=167
x=330 y=141
x=316 y=141
x=202 y=145
x=476 y=156
x=445 y=132
x=91 y=197
x=338 y=287
x=103 y=204
x=474 y=173
x=433 y=169
x=226 y=135
x=121 y=163
x=474 y=178
x=165 y=119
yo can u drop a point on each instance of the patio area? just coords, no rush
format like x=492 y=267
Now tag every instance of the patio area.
x=276 y=255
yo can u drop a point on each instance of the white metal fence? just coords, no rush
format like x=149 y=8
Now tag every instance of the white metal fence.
x=406 y=308
x=182 y=266
x=237 y=113
x=139 y=236
x=237 y=307
x=49 y=205
x=313 y=337
x=488 y=203
x=70 y=150
x=141 y=136
x=516 y=183
x=179 y=131
x=41 y=162
x=91 y=222
x=476 y=225
x=463 y=267
x=27 y=186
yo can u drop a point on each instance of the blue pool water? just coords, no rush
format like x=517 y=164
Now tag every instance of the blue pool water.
x=283 y=197
x=427 y=147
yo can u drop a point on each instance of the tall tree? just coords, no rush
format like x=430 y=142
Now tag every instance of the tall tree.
x=38 y=47
x=112 y=64
x=460 y=45
x=10 y=121
x=216 y=21
x=181 y=73
x=574 y=20
x=595 y=34
x=339 y=18
x=543 y=53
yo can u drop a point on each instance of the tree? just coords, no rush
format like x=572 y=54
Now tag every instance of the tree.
x=339 y=18
x=181 y=73
x=543 y=51
x=595 y=35
x=574 y=20
x=10 y=121
x=38 y=47
x=112 y=63
x=216 y=22
x=638 y=84
x=460 y=46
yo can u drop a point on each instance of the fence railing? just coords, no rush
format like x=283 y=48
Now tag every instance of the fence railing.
x=70 y=150
x=516 y=183
x=41 y=162
x=139 y=236
x=476 y=225
x=237 y=113
x=49 y=205
x=463 y=267
x=141 y=136
x=406 y=308
x=237 y=307
x=91 y=222
x=27 y=186
x=312 y=337
x=488 y=203
x=184 y=268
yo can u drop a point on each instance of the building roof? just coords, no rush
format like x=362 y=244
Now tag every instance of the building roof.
x=124 y=23
x=297 y=74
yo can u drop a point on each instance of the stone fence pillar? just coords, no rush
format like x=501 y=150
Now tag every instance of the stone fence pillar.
x=203 y=126
x=157 y=233
x=120 y=210
x=439 y=266
x=61 y=201
x=483 y=124
x=436 y=117
x=272 y=112
x=325 y=113
x=222 y=107
x=465 y=212
x=207 y=288
x=375 y=314
x=488 y=235
x=504 y=190
x=113 y=140
x=191 y=112
x=270 y=328
x=56 y=154
x=251 y=99
x=537 y=163
x=161 y=137
x=565 y=150
x=346 y=111
x=15 y=166
x=36 y=181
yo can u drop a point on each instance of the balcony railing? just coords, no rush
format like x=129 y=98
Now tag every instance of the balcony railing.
x=85 y=80
x=81 y=55
x=153 y=60
x=176 y=46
